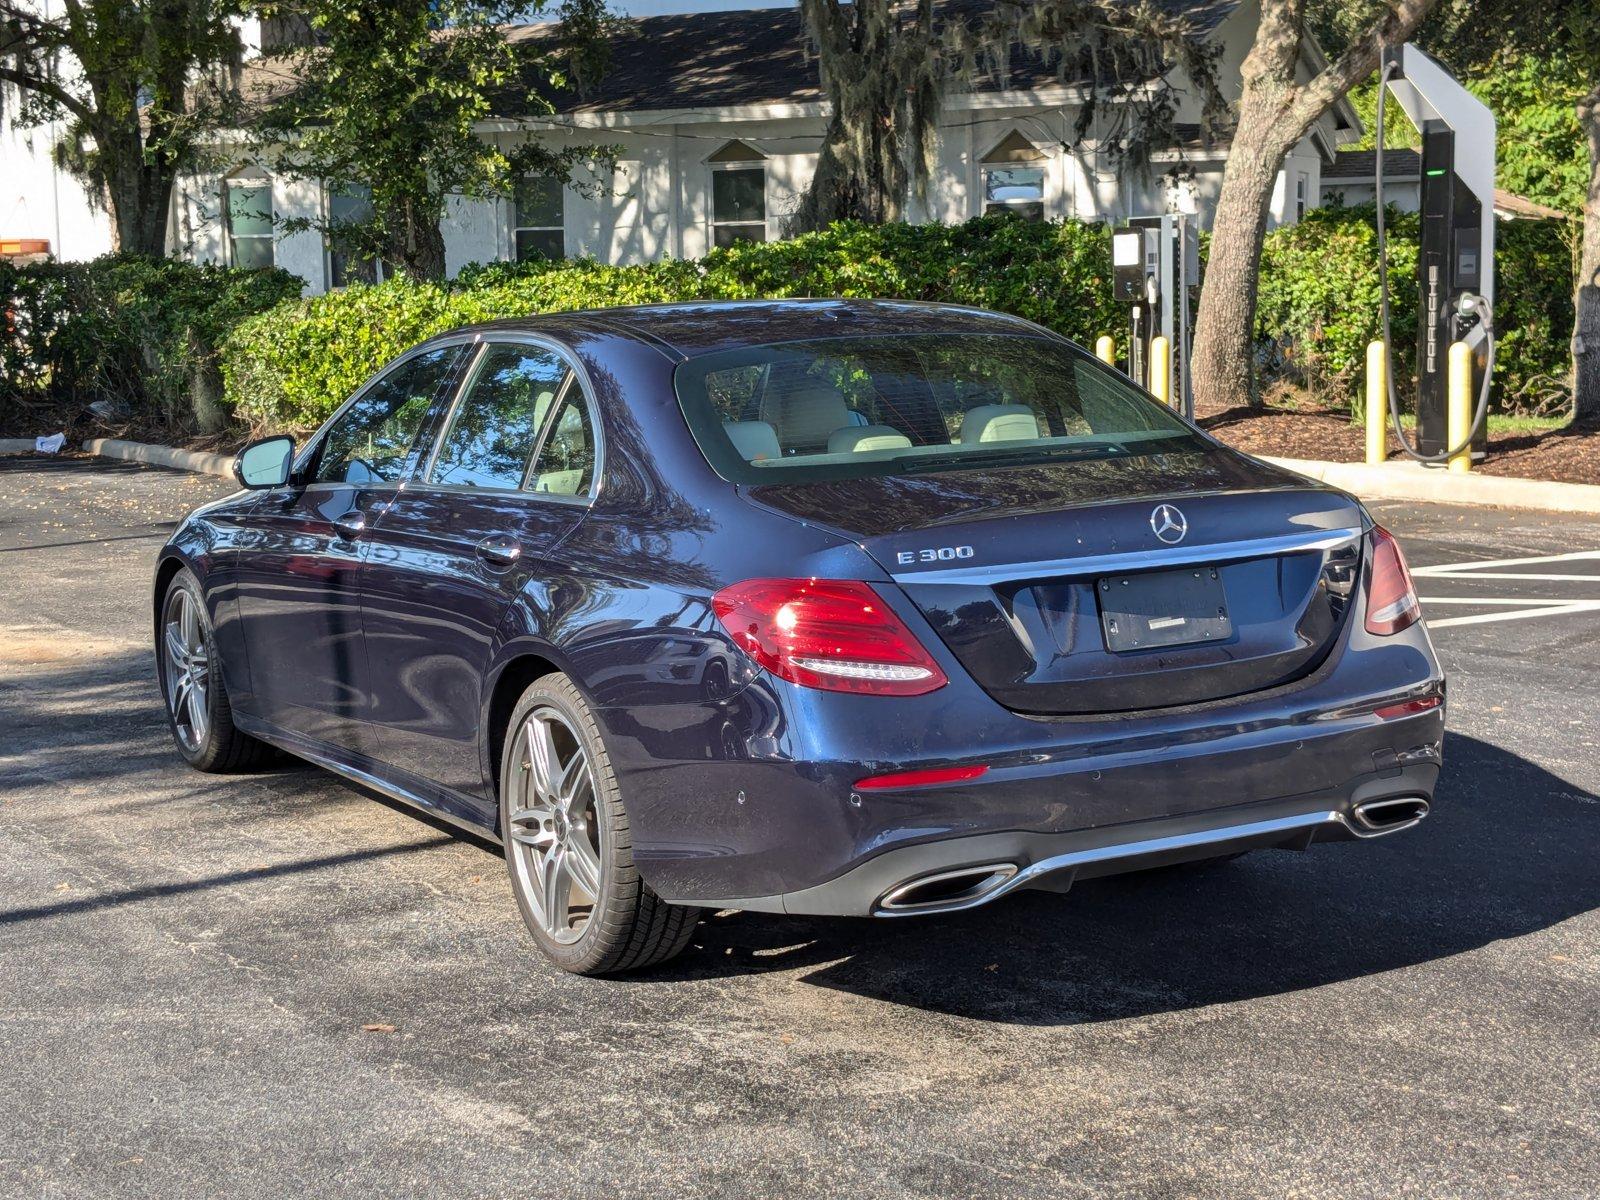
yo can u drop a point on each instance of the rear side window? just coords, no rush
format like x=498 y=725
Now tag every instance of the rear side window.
x=566 y=460
x=371 y=440
x=496 y=424
x=838 y=407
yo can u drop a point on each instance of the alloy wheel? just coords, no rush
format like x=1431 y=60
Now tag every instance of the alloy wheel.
x=554 y=826
x=188 y=669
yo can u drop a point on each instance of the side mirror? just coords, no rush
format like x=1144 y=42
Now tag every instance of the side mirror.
x=265 y=463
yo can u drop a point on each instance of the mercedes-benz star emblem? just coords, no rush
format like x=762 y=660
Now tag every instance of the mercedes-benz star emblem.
x=1169 y=524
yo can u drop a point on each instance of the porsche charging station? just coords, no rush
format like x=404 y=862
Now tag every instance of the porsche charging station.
x=1155 y=265
x=1455 y=265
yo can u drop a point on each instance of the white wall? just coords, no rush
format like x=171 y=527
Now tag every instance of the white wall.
x=39 y=201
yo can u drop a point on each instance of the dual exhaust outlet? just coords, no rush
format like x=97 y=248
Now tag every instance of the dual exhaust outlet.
x=968 y=887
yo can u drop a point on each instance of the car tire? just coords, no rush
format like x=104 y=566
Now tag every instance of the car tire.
x=188 y=670
x=568 y=846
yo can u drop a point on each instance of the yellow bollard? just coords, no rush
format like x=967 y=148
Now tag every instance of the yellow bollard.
x=1459 y=409
x=1105 y=349
x=1377 y=404
x=1161 y=369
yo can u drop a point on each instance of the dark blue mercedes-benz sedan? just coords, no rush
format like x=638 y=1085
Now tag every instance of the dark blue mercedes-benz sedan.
x=826 y=607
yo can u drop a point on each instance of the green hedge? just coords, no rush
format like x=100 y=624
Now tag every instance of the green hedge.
x=288 y=369
x=1319 y=304
x=140 y=333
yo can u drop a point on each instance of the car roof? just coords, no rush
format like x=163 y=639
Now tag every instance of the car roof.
x=705 y=327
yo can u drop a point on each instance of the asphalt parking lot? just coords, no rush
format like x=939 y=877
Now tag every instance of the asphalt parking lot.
x=278 y=985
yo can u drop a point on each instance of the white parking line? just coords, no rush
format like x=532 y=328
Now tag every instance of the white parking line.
x=1522 y=607
x=1480 y=568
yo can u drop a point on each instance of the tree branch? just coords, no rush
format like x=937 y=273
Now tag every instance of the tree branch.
x=51 y=89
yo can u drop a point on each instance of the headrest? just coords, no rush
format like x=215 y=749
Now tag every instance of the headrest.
x=754 y=440
x=807 y=415
x=861 y=438
x=999 y=423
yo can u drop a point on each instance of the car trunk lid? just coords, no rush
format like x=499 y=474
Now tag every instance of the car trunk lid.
x=1110 y=585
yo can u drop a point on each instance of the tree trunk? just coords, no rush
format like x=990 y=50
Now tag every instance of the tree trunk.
x=1224 y=340
x=416 y=244
x=138 y=194
x=1586 y=298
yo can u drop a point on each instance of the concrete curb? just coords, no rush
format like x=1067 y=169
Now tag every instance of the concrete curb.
x=1413 y=481
x=166 y=456
x=16 y=445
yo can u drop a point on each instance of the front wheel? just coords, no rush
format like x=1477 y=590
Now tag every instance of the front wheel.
x=568 y=844
x=191 y=683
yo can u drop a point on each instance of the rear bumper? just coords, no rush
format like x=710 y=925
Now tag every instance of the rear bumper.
x=966 y=872
x=750 y=803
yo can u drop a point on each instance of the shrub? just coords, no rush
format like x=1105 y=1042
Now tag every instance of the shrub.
x=289 y=368
x=1318 y=304
x=140 y=333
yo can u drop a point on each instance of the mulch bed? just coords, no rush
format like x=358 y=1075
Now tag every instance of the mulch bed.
x=1563 y=455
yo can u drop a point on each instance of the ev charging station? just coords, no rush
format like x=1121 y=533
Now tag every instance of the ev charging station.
x=1455 y=268
x=1155 y=265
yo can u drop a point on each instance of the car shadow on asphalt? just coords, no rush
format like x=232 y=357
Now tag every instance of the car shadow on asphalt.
x=1509 y=850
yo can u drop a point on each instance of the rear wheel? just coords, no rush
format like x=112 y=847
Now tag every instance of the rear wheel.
x=568 y=845
x=190 y=674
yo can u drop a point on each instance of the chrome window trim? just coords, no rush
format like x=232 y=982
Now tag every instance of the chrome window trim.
x=1135 y=560
x=314 y=442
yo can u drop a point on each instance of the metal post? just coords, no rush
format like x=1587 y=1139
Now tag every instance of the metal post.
x=1377 y=404
x=1105 y=349
x=1459 y=426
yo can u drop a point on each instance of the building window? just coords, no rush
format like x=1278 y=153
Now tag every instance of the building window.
x=1302 y=195
x=350 y=207
x=1013 y=178
x=539 y=218
x=738 y=195
x=248 y=214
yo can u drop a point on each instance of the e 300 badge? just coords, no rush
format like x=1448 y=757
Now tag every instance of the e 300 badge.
x=933 y=554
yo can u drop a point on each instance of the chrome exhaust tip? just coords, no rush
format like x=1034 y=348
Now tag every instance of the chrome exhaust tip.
x=1377 y=817
x=947 y=891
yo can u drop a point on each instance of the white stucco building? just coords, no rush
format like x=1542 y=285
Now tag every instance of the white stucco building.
x=717 y=118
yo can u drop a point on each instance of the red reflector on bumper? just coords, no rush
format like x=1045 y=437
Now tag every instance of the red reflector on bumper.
x=1407 y=708
x=905 y=779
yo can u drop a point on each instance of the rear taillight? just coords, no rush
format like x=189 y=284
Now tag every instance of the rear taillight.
x=834 y=634
x=1391 y=599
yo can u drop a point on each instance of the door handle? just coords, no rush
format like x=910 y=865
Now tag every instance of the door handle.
x=499 y=549
x=351 y=525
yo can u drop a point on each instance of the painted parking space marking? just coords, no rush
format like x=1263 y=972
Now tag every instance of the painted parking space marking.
x=1515 y=608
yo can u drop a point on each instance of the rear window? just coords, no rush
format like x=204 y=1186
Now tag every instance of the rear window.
x=837 y=407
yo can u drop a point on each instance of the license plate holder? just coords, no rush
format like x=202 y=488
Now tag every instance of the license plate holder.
x=1182 y=607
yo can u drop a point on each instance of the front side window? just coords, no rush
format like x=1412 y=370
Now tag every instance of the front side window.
x=539 y=210
x=738 y=204
x=248 y=214
x=496 y=425
x=566 y=459
x=371 y=440
x=839 y=407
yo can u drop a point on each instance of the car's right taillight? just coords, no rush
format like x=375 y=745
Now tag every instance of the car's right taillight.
x=833 y=634
x=1392 y=603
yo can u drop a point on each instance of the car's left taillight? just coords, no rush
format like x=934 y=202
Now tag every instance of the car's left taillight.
x=833 y=634
x=1392 y=603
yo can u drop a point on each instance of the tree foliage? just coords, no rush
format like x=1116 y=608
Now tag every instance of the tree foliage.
x=387 y=104
x=887 y=65
x=138 y=85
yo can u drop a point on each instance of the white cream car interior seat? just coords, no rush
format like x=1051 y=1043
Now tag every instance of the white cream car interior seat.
x=756 y=441
x=858 y=439
x=999 y=423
